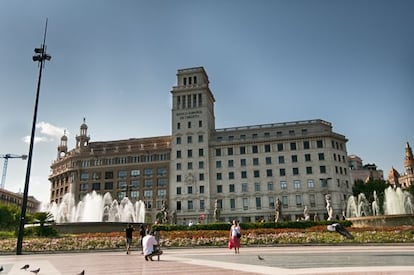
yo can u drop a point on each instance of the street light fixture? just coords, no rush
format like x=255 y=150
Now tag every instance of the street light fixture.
x=40 y=57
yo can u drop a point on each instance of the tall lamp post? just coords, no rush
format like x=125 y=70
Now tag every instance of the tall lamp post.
x=40 y=56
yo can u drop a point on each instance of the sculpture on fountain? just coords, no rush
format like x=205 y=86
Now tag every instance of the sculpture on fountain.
x=162 y=216
x=329 y=208
x=278 y=209
x=216 y=212
x=306 y=213
x=375 y=205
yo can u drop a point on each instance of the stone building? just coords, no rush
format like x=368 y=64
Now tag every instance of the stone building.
x=405 y=179
x=16 y=199
x=237 y=172
x=364 y=172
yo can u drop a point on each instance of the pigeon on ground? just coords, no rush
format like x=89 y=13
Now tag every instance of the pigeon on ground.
x=35 y=271
x=337 y=227
x=1 y=268
x=260 y=258
x=82 y=272
x=25 y=267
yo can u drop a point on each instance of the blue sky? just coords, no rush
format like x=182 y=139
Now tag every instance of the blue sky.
x=115 y=62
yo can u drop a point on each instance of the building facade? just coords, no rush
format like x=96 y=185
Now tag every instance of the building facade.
x=16 y=199
x=210 y=174
x=363 y=172
x=405 y=179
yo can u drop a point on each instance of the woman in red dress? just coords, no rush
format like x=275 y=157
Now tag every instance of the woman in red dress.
x=235 y=237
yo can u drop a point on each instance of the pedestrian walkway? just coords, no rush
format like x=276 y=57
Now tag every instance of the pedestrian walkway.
x=376 y=259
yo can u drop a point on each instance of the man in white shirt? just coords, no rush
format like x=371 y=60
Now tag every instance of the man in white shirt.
x=148 y=244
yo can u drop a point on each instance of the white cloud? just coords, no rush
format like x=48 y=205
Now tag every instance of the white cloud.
x=47 y=133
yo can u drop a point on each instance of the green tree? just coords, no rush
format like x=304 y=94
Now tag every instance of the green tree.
x=9 y=217
x=43 y=218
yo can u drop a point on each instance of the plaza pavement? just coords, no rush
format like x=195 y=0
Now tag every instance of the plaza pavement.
x=367 y=260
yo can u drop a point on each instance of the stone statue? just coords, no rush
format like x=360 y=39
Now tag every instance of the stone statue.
x=174 y=217
x=278 y=209
x=216 y=211
x=306 y=213
x=329 y=209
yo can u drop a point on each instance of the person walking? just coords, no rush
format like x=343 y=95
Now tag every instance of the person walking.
x=235 y=235
x=128 y=236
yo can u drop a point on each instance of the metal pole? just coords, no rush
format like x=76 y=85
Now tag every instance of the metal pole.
x=42 y=57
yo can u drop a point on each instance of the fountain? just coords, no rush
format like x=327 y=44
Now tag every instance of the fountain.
x=398 y=209
x=96 y=210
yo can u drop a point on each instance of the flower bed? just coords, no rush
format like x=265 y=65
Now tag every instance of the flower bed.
x=215 y=238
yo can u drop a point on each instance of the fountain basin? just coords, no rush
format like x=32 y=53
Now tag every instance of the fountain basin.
x=382 y=220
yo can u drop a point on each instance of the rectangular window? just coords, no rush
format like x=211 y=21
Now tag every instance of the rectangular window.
x=178 y=205
x=219 y=188
x=190 y=205
x=294 y=158
x=231 y=175
x=281 y=159
x=189 y=125
x=178 y=126
x=270 y=186
x=179 y=178
x=312 y=200
x=309 y=170
x=258 y=203
x=162 y=193
x=299 y=201
x=200 y=138
x=232 y=204
x=178 y=154
x=283 y=185
x=319 y=144
x=245 y=203
x=242 y=162
x=243 y=174
x=242 y=150
x=148 y=183
x=296 y=184
x=201 y=189
x=231 y=188
x=201 y=152
x=178 y=140
x=147 y=194
x=244 y=187
x=230 y=163
x=230 y=151
x=178 y=166
x=202 y=205
x=255 y=161
x=135 y=173
x=269 y=172
x=255 y=149
x=189 y=139
x=321 y=156
x=84 y=176
x=257 y=186
x=295 y=171
x=322 y=169
x=200 y=123
x=271 y=202
x=306 y=145
x=282 y=172
x=218 y=164
x=121 y=195
x=280 y=147
x=201 y=176
x=96 y=186
x=135 y=195
x=84 y=187
x=267 y=148
x=201 y=165
x=161 y=171
x=268 y=160
x=189 y=190
x=218 y=152
x=256 y=173
x=148 y=172
x=190 y=166
x=162 y=182
x=219 y=176
x=109 y=175
x=311 y=184
x=307 y=157
x=109 y=185
x=189 y=153
x=285 y=202
x=293 y=146
x=178 y=190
